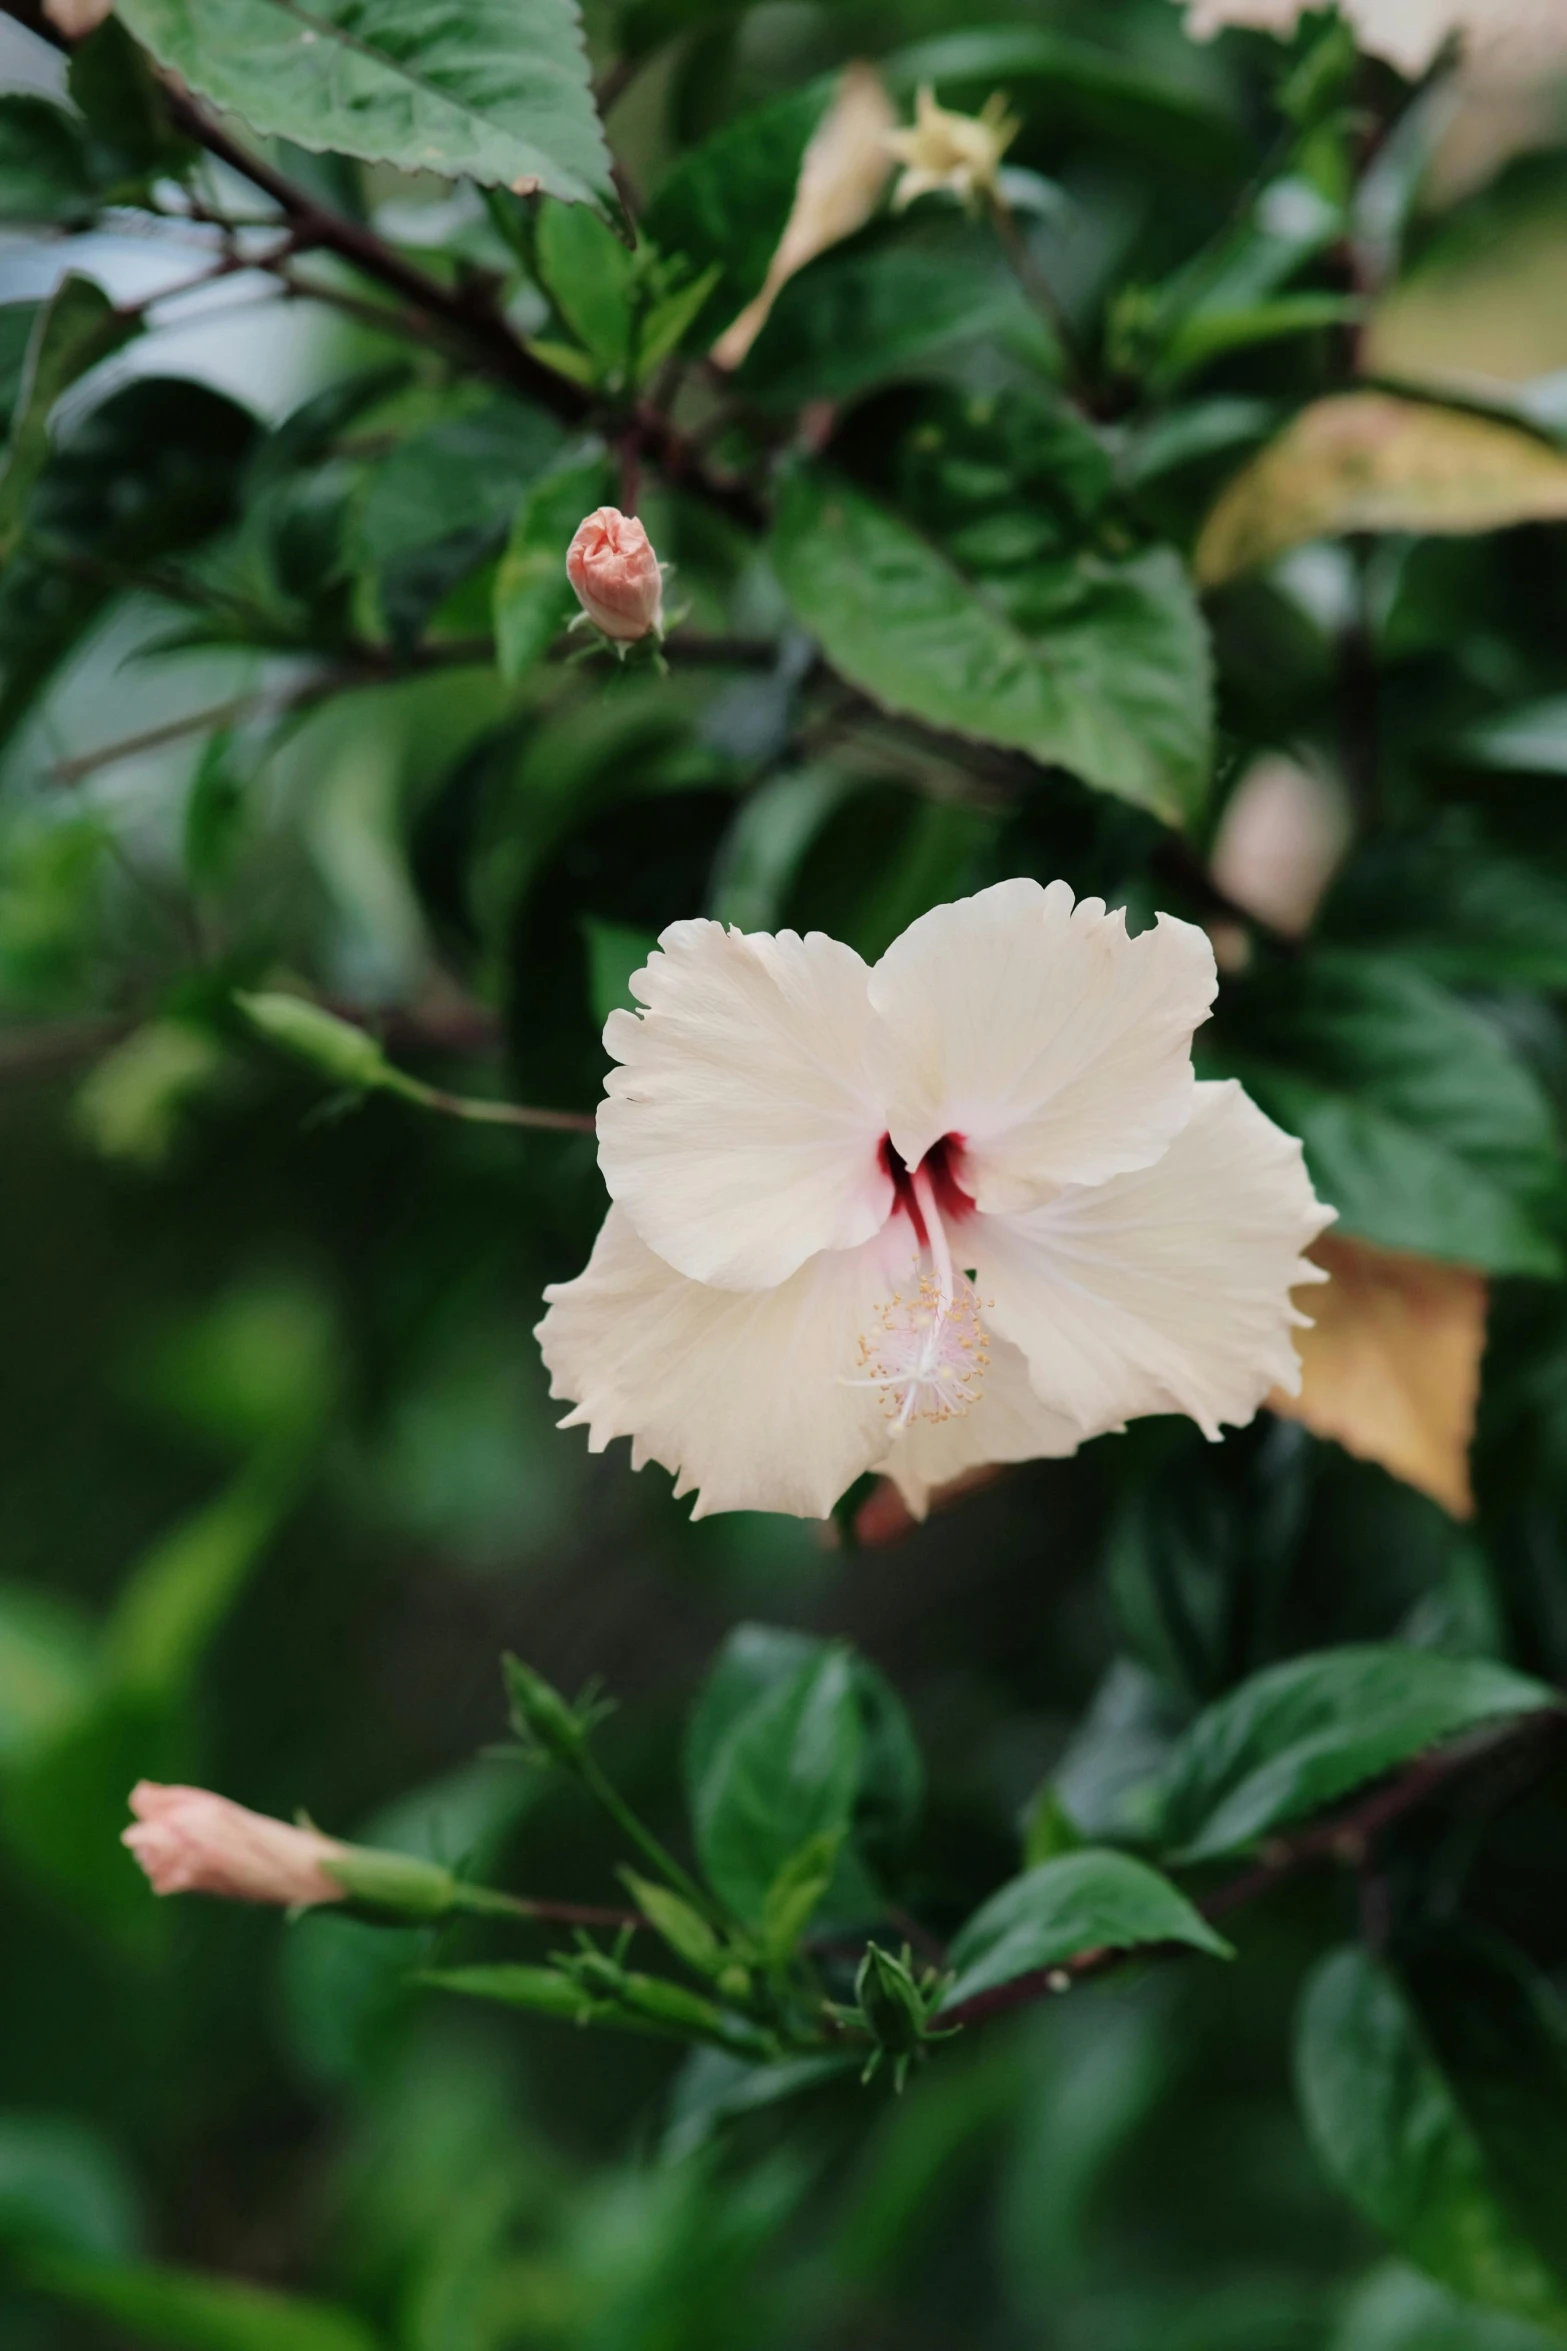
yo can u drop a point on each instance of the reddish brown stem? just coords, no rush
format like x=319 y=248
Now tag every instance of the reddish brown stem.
x=1347 y=1837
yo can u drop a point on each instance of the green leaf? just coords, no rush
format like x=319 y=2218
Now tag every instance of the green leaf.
x=441 y=503
x=497 y=91
x=1531 y=740
x=187 y=2312
x=893 y=304
x=785 y=1769
x=533 y=597
x=1213 y=334
x=758 y=1660
x=1389 y=2132
x=684 y=1929
x=180 y=1591
x=151 y=473
x=1294 y=1738
x=615 y=951
x=641 y=2004
x=76 y=328
x=1457 y=908
x=1499 y=2030
x=589 y=275
x=714 y=2087
x=542 y=1991
x=1107 y=674
x=61 y=2185
x=48 y=1662
x=725 y=204
x=1089 y=1901
x=668 y=321
x=1078 y=85
x=1420 y=1127
x=796 y=1892
x=1399 y=2310
x=46 y=171
x=124 y=104
x=1048 y=1828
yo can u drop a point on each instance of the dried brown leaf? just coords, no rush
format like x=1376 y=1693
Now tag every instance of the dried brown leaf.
x=842 y=175
x=1391 y=1366
x=1366 y=461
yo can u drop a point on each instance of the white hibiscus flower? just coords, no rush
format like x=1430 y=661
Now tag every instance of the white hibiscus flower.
x=967 y=1206
x=1513 y=37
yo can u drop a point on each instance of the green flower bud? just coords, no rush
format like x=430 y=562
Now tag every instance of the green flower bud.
x=548 y=1726
x=332 y=1047
x=891 y=2001
x=395 y=1882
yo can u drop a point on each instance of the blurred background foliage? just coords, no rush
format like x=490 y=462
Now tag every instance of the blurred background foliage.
x=281 y=1479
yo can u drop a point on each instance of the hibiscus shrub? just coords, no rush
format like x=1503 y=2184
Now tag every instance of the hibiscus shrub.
x=880 y=703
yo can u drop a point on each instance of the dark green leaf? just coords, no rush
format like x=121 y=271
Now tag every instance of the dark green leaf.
x=726 y=203
x=1080 y=84
x=1458 y=909
x=1088 y=1901
x=151 y=473
x=588 y=275
x=683 y=1928
x=76 y=328
x=793 y=1897
x=784 y=1768
x=1100 y=665
x=497 y=91
x=1499 y=2031
x=1420 y=1126
x=46 y=169
x=61 y=2185
x=441 y=503
x=1399 y=2310
x=1212 y=334
x=757 y=1660
x=542 y=1991
x=1388 y=2130
x=186 y=2312
x=1528 y=741
x=714 y=2087
x=1294 y=1738
x=47 y=1667
x=890 y=306
x=124 y=104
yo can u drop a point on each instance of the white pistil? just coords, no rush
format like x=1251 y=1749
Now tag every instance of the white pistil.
x=929 y=1353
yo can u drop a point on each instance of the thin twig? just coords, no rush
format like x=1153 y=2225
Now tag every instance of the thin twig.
x=1346 y=1837
x=1041 y=293
x=480 y=1110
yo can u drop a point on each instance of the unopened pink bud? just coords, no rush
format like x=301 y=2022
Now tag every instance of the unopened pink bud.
x=190 y=1841
x=616 y=574
x=76 y=18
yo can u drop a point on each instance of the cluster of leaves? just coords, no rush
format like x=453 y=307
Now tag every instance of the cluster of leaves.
x=1032 y=538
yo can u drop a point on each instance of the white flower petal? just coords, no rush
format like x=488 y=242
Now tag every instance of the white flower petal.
x=1166 y=1290
x=1057 y=1047
x=740 y=1392
x=1007 y=1424
x=742 y=1133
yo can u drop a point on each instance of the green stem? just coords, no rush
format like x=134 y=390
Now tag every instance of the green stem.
x=481 y=1112
x=644 y=1840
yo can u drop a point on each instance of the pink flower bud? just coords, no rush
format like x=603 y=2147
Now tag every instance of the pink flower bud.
x=616 y=574
x=191 y=1842
x=76 y=18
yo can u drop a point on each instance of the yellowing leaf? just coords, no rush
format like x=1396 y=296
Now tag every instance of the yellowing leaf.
x=842 y=174
x=1365 y=461
x=1392 y=1364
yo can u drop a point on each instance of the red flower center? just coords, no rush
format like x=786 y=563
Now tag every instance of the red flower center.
x=938 y=1165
